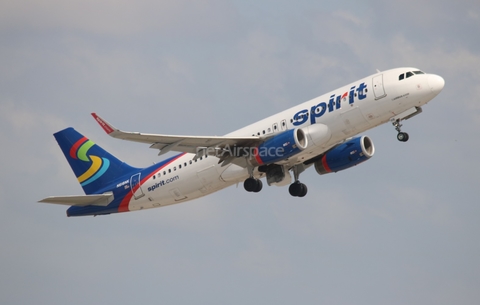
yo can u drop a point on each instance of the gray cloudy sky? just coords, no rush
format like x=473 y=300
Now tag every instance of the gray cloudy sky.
x=400 y=229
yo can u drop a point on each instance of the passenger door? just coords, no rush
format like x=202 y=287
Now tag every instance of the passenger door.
x=134 y=181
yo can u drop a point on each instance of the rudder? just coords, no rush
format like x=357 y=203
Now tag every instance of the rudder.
x=93 y=166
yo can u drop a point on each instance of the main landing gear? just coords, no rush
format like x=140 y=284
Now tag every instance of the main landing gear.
x=298 y=189
x=401 y=136
x=251 y=184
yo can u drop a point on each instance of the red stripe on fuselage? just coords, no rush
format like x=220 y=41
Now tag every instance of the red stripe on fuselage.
x=257 y=156
x=123 y=207
x=325 y=164
x=73 y=150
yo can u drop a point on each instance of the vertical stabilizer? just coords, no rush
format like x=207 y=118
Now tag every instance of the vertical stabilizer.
x=94 y=167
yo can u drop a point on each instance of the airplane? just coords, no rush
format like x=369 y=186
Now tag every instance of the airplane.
x=322 y=132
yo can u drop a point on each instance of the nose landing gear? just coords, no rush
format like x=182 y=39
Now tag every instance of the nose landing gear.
x=401 y=136
x=407 y=114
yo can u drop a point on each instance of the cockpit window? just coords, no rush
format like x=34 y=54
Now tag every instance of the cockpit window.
x=409 y=74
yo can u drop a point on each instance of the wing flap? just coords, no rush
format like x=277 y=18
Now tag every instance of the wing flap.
x=80 y=200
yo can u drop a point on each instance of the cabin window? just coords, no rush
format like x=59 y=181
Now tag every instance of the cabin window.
x=185 y=164
x=179 y=166
x=153 y=176
x=164 y=173
x=190 y=162
x=169 y=170
x=401 y=76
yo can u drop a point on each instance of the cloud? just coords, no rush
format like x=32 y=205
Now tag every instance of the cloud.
x=120 y=18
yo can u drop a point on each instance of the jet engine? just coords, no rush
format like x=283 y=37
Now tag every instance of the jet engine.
x=345 y=155
x=280 y=147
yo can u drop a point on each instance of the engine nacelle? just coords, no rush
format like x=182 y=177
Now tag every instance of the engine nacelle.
x=280 y=147
x=345 y=155
x=318 y=134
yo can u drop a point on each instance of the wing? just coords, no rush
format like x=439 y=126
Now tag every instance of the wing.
x=198 y=145
x=80 y=200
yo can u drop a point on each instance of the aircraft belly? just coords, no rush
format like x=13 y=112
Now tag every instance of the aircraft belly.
x=191 y=185
x=233 y=173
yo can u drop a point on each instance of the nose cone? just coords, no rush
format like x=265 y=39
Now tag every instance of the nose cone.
x=436 y=83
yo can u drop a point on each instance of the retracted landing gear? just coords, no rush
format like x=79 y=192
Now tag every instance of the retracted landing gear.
x=401 y=136
x=298 y=189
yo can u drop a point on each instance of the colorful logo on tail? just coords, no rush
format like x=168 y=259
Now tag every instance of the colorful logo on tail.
x=99 y=165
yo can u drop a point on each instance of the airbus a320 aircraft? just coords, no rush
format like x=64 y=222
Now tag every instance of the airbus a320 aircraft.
x=319 y=133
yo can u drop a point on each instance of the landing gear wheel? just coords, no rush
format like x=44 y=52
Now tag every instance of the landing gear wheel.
x=258 y=186
x=294 y=189
x=402 y=136
x=304 y=190
x=250 y=184
x=297 y=189
x=253 y=185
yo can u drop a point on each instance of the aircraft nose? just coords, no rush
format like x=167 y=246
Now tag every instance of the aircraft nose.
x=436 y=83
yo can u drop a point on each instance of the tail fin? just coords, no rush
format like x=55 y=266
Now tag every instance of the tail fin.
x=94 y=167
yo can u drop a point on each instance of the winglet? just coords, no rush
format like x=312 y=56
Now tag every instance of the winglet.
x=104 y=124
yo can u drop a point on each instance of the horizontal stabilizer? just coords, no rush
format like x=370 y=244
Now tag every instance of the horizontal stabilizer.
x=81 y=200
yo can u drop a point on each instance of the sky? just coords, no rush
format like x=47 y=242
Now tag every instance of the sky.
x=401 y=228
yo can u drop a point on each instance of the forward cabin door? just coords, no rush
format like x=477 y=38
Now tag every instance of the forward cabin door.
x=378 y=88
